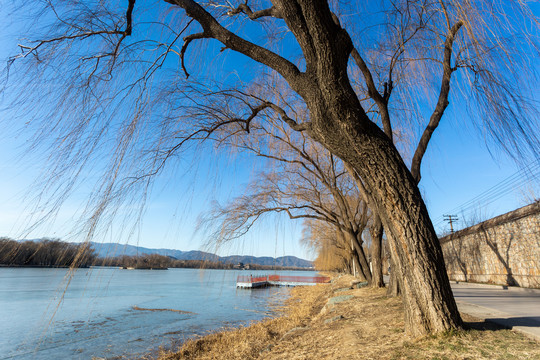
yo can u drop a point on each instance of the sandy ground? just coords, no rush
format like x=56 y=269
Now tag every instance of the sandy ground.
x=336 y=322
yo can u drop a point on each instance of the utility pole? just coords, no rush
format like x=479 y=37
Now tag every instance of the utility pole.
x=450 y=219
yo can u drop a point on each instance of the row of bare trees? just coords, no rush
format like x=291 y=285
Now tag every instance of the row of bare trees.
x=156 y=261
x=46 y=253
x=152 y=261
x=363 y=80
x=304 y=181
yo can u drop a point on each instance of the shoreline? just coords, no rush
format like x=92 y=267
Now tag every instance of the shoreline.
x=333 y=321
x=273 y=268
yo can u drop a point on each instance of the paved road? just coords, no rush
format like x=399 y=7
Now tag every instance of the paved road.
x=517 y=308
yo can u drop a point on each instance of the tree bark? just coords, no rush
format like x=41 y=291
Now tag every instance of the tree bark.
x=376 y=231
x=340 y=124
x=429 y=303
x=393 y=284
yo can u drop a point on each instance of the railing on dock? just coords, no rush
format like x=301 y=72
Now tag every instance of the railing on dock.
x=278 y=280
x=299 y=279
x=251 y=279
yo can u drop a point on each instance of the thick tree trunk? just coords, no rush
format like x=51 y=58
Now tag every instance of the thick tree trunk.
x=393 y=284
x=428 y=299
x=354 y=271
x=349 y=266
x=363 y=265
x=345 y=239
x=376 y=232
x=338 y=122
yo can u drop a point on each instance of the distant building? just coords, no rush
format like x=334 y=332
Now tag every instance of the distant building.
x=241 y=266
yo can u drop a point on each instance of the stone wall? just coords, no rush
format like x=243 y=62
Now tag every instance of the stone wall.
x=504 y=250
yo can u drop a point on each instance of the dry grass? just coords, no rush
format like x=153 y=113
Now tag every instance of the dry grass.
x=248 y=342
x=369 y=326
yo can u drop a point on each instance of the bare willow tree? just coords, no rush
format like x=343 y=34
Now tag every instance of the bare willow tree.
x=333 y=252
x=305 y=168
x=105 y=78
x=305 y=182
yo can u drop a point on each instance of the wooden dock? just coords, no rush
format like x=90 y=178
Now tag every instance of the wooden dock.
x=251 y=282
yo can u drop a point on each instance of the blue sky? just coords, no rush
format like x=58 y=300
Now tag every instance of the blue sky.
x=456 y=168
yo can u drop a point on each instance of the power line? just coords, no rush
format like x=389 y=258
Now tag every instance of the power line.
x=495 y=196
x=504 y=184
x=522 y=177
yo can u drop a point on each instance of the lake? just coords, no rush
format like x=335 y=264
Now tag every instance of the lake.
x=107 y=312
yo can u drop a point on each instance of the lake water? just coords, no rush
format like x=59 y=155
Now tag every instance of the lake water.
x=96 y=315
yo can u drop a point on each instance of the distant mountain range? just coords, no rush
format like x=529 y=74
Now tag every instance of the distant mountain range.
x=113 y=249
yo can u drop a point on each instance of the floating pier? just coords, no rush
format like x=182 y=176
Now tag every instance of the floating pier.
x=251 y=282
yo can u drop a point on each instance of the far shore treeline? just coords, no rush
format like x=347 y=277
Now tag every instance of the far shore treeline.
x=45 y=253
x=57 y=253
x=155 y=261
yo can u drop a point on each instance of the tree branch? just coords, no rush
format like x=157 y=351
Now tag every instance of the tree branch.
x=213 y=29
x=306 y=126
x=254 y=112
x=26 y=50
x=244 y=8
x=442 y=103
x=129 y=19
x=382 y=102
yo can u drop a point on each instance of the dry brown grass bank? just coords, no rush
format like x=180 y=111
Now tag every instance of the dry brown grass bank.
x=367 y=326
